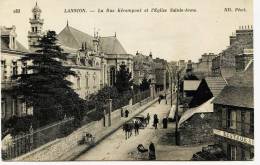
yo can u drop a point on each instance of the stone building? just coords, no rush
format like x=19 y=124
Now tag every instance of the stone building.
x=11 y=52
x=225 y=64
x=234 y=108
x=162 y=74
x=144 y=67
x=242 y=60
x=95 y=59
x=204 y=64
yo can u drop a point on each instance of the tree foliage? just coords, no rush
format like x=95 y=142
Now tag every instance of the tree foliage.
x=145 y=85
x=45 y=87
x=123 y=79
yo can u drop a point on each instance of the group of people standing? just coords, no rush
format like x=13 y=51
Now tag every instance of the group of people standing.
x=155 y=120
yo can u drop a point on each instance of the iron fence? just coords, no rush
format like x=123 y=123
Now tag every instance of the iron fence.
x=140 y=96
x=22 y=144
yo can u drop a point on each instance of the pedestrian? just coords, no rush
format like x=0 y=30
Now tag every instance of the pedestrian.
x=165 y=122
x=126 y=113
x=159 y=100
x=155 y=121
x=152 y=155
x=148 y=118
x=136 y=127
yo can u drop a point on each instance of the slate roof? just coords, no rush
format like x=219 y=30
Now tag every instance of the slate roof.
x=239 y=91
x=215 y=84
x=245 y=78
x=73 y=38
x=70 y=37
x=236 y=96
x=111 y=45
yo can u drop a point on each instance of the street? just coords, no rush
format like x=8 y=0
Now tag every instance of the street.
x=116 y=147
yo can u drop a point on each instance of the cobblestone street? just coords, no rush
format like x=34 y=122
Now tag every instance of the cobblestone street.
x=116 y=147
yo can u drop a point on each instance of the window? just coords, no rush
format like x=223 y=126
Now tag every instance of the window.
x=231 y=119
x=86 y=80
x=251 y=123
x=3 y=107
x=15 y=71
x=112 y=76
x=78 y=82
x=94 y=79
x=243 y=119
x=233 y=152
x=14 y=106
x=24 y=109
x=24 y=68
x=3 y=70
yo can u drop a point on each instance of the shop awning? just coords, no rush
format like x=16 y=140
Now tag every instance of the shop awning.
x=206 y=107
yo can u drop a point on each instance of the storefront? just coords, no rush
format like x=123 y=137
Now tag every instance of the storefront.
x=235 y=147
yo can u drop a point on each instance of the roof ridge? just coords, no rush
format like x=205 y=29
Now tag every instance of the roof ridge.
x=68 y=27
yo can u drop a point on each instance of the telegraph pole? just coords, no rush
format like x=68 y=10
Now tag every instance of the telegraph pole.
x=171 y=90
x=177 y=107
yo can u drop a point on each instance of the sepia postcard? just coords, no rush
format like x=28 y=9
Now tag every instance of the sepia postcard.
x=127 y=80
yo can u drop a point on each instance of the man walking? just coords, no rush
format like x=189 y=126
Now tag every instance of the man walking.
x=147 y=118
x=136 y=126
x=155 y=121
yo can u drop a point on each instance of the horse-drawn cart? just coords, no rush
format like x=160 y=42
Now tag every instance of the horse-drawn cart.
x=87 y=138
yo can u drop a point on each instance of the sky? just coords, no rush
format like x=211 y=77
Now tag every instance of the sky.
x=168 y=35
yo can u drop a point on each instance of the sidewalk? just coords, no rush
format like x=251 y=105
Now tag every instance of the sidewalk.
x=102 y=134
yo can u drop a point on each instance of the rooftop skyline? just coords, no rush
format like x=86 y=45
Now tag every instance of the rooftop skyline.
x=171 y=36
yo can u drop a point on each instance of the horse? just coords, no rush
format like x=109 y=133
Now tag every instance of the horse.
x=128 y=128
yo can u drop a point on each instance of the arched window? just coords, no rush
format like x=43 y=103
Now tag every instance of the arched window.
x=78 y=82
x=86 y=76
x=94 y=79
x=112 y=76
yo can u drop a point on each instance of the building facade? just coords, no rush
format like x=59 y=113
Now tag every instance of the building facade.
x=144 y=67
x=204 y=64
x=95 y=59
x=234 y=108
x=162 y=74
x=11 y=53
x=242 y=60
x=225 y=63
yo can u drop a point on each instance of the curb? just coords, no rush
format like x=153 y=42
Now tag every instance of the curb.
x=73 y=157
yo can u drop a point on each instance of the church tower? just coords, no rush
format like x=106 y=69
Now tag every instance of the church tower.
x=35 y=32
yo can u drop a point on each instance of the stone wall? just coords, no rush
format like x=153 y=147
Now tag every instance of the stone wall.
x=197 y=129
x=57 y=148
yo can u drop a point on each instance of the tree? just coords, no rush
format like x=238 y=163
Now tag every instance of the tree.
x=45 y=87
x=123 y=79
x=145 y=85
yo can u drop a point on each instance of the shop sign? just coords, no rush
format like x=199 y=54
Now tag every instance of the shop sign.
x=234 y=137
